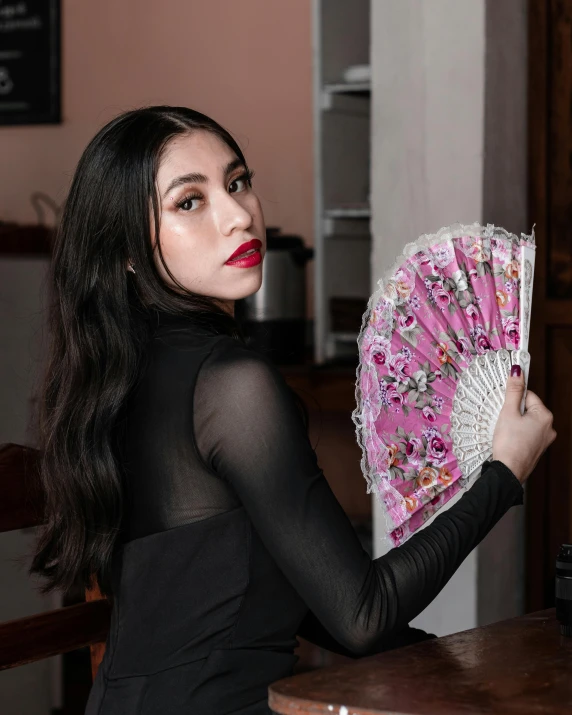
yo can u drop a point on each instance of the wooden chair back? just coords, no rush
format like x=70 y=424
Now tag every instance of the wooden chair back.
x=42 y=635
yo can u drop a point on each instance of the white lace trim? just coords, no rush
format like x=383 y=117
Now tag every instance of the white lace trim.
x=428 y=240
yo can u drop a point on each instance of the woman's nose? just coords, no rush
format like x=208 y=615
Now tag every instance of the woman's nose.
x=230 y=215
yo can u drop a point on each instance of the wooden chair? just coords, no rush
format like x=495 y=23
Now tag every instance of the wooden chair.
x=40 y=636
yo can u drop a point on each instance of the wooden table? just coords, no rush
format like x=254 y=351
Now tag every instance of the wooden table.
x=519 y=666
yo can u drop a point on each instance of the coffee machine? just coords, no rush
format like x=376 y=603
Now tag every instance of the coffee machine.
x=274 y=318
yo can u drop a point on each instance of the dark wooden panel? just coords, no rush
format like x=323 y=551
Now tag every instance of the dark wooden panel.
x=96 y=650
x=538 y=44
x=29 y=241
x=550 y=208
x=558 y=509
x=331 y=389
x=518 y=666
x=538 y=116
x=29 y=639
x=560 y=149
x=21 y=501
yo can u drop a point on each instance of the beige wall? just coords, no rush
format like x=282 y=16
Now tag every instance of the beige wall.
x=247 y=64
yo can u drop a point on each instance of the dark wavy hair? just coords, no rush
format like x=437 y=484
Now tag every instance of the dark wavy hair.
x=100 y=321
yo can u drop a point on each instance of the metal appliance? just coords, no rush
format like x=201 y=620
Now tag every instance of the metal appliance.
x=274 y=318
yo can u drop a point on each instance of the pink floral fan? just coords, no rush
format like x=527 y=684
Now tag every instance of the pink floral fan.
x=436 y=347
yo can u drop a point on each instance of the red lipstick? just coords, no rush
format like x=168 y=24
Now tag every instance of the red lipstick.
x=246 y=255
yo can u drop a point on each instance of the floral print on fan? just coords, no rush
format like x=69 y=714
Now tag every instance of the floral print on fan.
x=454 y=298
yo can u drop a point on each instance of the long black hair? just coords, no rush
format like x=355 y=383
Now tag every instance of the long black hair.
x=100 y=319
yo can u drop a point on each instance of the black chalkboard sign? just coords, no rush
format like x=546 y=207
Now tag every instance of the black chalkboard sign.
x=29 y=61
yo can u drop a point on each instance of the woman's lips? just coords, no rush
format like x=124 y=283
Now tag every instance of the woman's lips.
x=246 y=255
x=253 y=259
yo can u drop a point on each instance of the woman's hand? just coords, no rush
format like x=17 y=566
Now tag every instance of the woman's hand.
x=520 y=440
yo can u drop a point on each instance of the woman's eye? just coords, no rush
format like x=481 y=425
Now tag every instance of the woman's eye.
x=237 y=185
x=190 y=204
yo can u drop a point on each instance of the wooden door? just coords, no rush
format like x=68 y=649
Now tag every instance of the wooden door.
x=549 y=491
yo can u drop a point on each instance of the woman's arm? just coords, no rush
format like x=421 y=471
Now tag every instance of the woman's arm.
x=249 y=432
x=313 y=631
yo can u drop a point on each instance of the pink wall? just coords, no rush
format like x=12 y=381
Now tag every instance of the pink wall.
x=247 y=64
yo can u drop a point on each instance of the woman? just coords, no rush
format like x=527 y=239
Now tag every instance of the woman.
x=177 y=469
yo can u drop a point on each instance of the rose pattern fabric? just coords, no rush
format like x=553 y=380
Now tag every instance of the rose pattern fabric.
x=444 y=305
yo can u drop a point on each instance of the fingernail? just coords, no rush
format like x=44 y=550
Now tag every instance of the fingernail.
x=515 y=371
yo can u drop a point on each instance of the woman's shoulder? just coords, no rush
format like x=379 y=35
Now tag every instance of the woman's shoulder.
x=239 y=384
x=233 y=372
x=217 y=355
x=229 y=357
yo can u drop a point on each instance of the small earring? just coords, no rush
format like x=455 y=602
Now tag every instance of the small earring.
x=130 y=267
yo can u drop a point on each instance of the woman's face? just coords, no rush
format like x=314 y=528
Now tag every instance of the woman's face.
x=208 y=212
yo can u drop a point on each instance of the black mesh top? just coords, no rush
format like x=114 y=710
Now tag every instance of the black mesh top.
x=234 y=543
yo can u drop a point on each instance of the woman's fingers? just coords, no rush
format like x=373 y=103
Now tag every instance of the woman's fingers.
x=533 y=402
x=514 y=393
x=519 y=440
x=534 y=407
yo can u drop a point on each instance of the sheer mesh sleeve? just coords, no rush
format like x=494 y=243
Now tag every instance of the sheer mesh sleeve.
x=249 y=431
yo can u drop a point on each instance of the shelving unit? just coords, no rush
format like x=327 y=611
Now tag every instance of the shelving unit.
x=348 y=88
x=347 y=213
x=342 y=237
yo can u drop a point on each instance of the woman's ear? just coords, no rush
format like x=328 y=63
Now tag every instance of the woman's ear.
x=130 y=267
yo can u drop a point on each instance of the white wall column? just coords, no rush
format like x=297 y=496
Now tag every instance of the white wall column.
x=431 y=66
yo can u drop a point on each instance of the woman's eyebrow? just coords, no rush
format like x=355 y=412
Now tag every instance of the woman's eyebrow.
x=232 y=165
x=192 y=178
x=195 y=178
